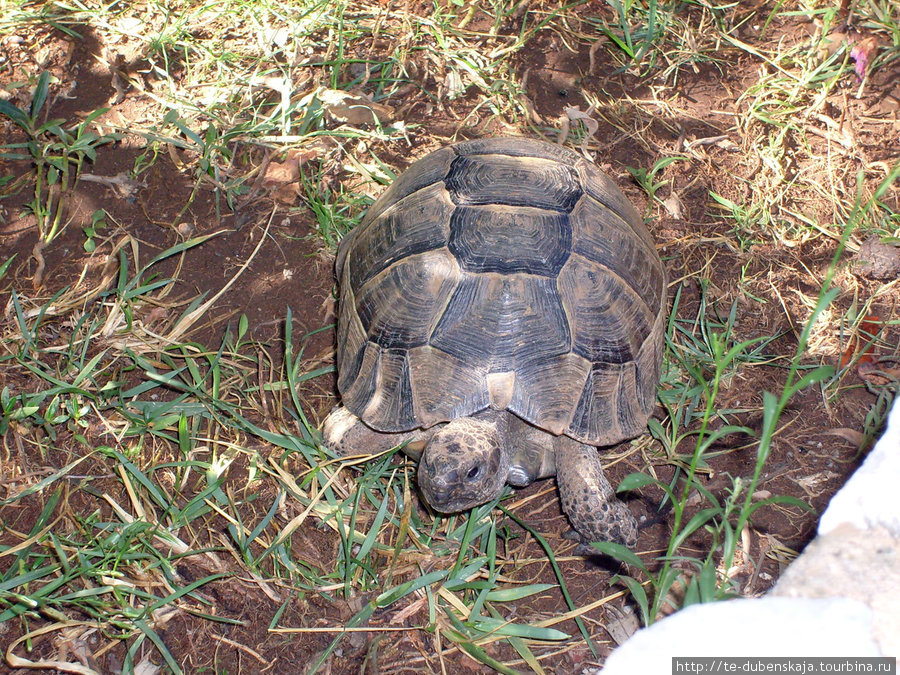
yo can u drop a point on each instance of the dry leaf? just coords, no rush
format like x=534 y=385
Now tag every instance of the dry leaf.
x=453 y=85
x=276 y=36
x=590 y=124
x=859 y=341
x=877 y=373
x=283 y=180
x=721 y=141
x=146 y=667
x=811 y=483
x=832 y=42
x=706 y=140
x=674 y=206
x=401 y=616
x=856 y=438
x=621 y=624
x=573 y=114
x=728 y=144
x=353 y=109
x=281 y=173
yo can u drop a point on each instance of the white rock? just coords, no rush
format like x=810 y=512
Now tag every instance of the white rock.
x=869 y=498
x=750 y=627
x=861 y=565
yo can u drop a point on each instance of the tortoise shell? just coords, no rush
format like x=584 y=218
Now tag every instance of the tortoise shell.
x=505 y=273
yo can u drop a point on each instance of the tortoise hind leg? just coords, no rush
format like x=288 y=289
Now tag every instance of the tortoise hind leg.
x=587 y=496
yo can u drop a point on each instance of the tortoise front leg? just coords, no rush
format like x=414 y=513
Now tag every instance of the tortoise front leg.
x=587 y=496
x=531 y=453
x=346 y=435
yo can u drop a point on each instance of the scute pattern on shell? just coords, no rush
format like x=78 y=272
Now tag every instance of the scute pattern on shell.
x=502 y=256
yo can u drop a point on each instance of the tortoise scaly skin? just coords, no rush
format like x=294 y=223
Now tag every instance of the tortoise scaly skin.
x=502 y=306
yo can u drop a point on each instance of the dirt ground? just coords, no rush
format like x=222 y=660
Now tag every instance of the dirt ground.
x=812 y=455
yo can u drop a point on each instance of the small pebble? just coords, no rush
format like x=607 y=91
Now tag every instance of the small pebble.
x=877 y=259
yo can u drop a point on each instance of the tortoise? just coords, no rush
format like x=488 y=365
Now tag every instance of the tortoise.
x=501 y=310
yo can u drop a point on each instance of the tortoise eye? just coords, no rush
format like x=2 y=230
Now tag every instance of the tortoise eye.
x=474 y=472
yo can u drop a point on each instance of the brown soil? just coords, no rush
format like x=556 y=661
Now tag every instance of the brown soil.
x=811 y=457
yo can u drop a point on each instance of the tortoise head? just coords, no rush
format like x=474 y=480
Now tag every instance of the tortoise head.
x=463 y=465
